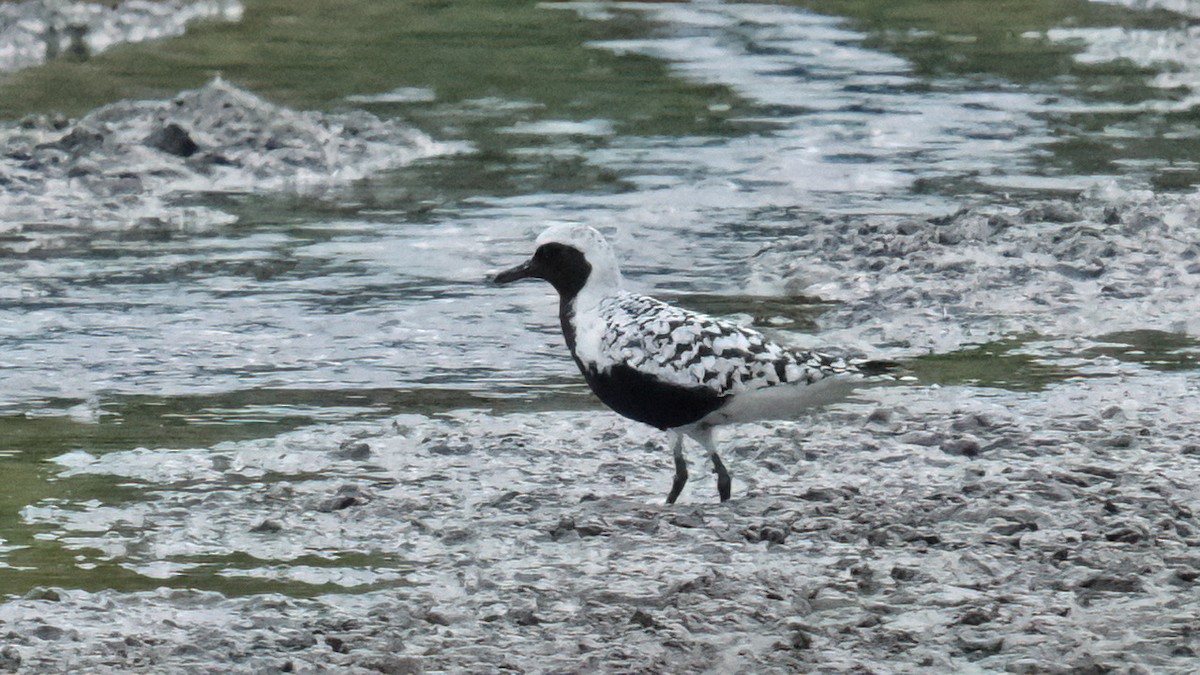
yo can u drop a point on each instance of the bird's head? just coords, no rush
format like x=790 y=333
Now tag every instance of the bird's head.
x=570 y=257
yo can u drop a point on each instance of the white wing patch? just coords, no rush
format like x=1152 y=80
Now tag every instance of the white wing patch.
x=693 y=350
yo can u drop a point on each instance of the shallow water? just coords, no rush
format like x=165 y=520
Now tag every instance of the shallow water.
x=694 y=134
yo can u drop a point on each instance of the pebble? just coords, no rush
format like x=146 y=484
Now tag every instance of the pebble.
x=963 y=447
x=173 y=140
x=351 y=449
x=1105 y=581
x=267 y=525
x=44 y=593
x=923 y=438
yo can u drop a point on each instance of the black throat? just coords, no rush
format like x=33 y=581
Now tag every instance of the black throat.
x=567 y=269
x=566 y=312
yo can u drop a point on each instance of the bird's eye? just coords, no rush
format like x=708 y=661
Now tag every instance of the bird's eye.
x=549 y=252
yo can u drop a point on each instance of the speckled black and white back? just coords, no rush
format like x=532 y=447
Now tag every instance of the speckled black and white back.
x=690 y=349
x=744 y=375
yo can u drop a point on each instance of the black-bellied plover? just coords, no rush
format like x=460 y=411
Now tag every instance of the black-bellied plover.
x=674 y=369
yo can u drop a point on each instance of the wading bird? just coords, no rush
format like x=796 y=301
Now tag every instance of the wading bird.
x=680 y=371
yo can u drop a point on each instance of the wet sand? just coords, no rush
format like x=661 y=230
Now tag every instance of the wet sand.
x=952 y=529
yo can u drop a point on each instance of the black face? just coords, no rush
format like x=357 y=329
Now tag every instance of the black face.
x=565 y=267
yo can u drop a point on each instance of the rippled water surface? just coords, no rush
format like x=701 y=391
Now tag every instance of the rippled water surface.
x=695 y=134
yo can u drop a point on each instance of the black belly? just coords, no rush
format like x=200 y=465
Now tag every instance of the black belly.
x=639 y=396
x=648 y=399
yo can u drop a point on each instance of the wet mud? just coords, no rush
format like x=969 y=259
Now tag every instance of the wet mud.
x=35 y=31
x=128 y=165
x=918 y=528
x=1047 y=270
x=921 y=526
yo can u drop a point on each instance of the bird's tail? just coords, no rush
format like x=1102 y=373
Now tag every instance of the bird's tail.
x=878 y=367
x=882 y=368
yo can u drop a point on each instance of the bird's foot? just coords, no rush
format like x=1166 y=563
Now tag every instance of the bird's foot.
x=723 y=482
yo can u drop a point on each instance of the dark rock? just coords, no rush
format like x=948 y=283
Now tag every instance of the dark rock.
x=47 y=632
x=564 y=526
x=1071 y=479
x=455 y=535
x=1106 y=581
x=83 y=170
x=922 y=438
x=1081 y=272
x=391 y=664
x=971 y=422
x=1011 y=528
x=822 y=494
x=10 y=659
x=1099 y=471
x=1138 y=222
x=523 y=617
x=801 y=638
x=172 y=139
x=962 y=447
x=1187 y=575
x=643 y=619
x=591 y=529
x=689 y=519
x=1120 y=441
x=350 y=449
x=79 y=141
x=337 y=644
x=977 y=616
x=1127 y=534
x=347 y=496
x=769 y=533
x=337 y=503
x=267 y=526
x=864 y=576
x=987 y=645
x=1051 y=212
x=188 y=650
x=507 y=498
x=869 y=621
x=448 y=449
x=297 y=640
x=44 y=593
x=880 y=416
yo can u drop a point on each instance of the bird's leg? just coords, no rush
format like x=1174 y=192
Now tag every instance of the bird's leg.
x=723 y=482
x=681 y=474
x=704 y=435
